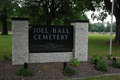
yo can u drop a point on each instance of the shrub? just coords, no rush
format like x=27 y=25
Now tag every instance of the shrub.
x=74 y=62
x=115 y=64
x=98 y=58
x=47 y=67
x=100 y=63
x=40 y=76
x=25 y=72
x=69 y=71
x=1 y=78
x=109 y=56
x=101 y=66
x=6 y=57
x=11 y=55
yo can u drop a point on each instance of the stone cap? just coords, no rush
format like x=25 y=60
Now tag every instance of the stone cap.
x=16 y=18
x=84 y=21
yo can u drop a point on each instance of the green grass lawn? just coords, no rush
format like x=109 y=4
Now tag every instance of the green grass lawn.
x=5 y=45
x=98 y=44
x=114 y=77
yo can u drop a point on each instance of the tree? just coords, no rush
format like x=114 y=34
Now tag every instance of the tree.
x=106 y=6
x=101 y=27
x=114 y=27
x=116 y=13
x=53 y=11
x=95 y=27
x=107 y=29
x=3 y=18
x=90 y=26
x=7 y=9
x=0 y=26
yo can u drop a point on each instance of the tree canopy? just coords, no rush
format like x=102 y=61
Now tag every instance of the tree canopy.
x=49 y=11
x=58 y=11
x=106 y=6
x=100 y=27
x=7 y=9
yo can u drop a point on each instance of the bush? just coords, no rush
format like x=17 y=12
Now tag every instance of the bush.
x=25 y=72
x=69 y=71
x=74 y=62
x=47 y=67
x=1 y=78
x=6 y=57
x=100 y=63
x=115 y=64
x=98 y=58
x=109 y=57
x=101 y=66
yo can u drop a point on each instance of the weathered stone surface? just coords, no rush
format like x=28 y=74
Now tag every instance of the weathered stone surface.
x=19 y=42
x=80 y=41
x=50 y=57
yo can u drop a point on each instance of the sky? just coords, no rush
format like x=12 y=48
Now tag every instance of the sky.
x=96 y=21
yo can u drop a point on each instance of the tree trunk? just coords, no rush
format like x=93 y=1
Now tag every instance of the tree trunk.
x=4 y=21
x=117 y=37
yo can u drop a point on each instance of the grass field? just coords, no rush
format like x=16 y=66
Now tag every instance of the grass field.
x=97 y=44
x=5 y=45
x=100 y=44
x=114 y=77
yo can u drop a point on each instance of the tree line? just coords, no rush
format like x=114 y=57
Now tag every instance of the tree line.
x=100 y=27
x=94 y=27
x=52 y=12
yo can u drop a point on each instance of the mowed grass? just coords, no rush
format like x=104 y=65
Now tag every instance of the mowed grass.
x=99 y=44
x=5 y=45
x=113 y=77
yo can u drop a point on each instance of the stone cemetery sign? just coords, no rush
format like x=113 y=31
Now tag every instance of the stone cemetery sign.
x=46 y=43
x=50 y=38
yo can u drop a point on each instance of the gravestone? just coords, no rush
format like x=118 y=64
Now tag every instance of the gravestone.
x=99 y=32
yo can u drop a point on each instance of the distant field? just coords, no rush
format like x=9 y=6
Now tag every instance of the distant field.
x=100 y=44
x=97 y=44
